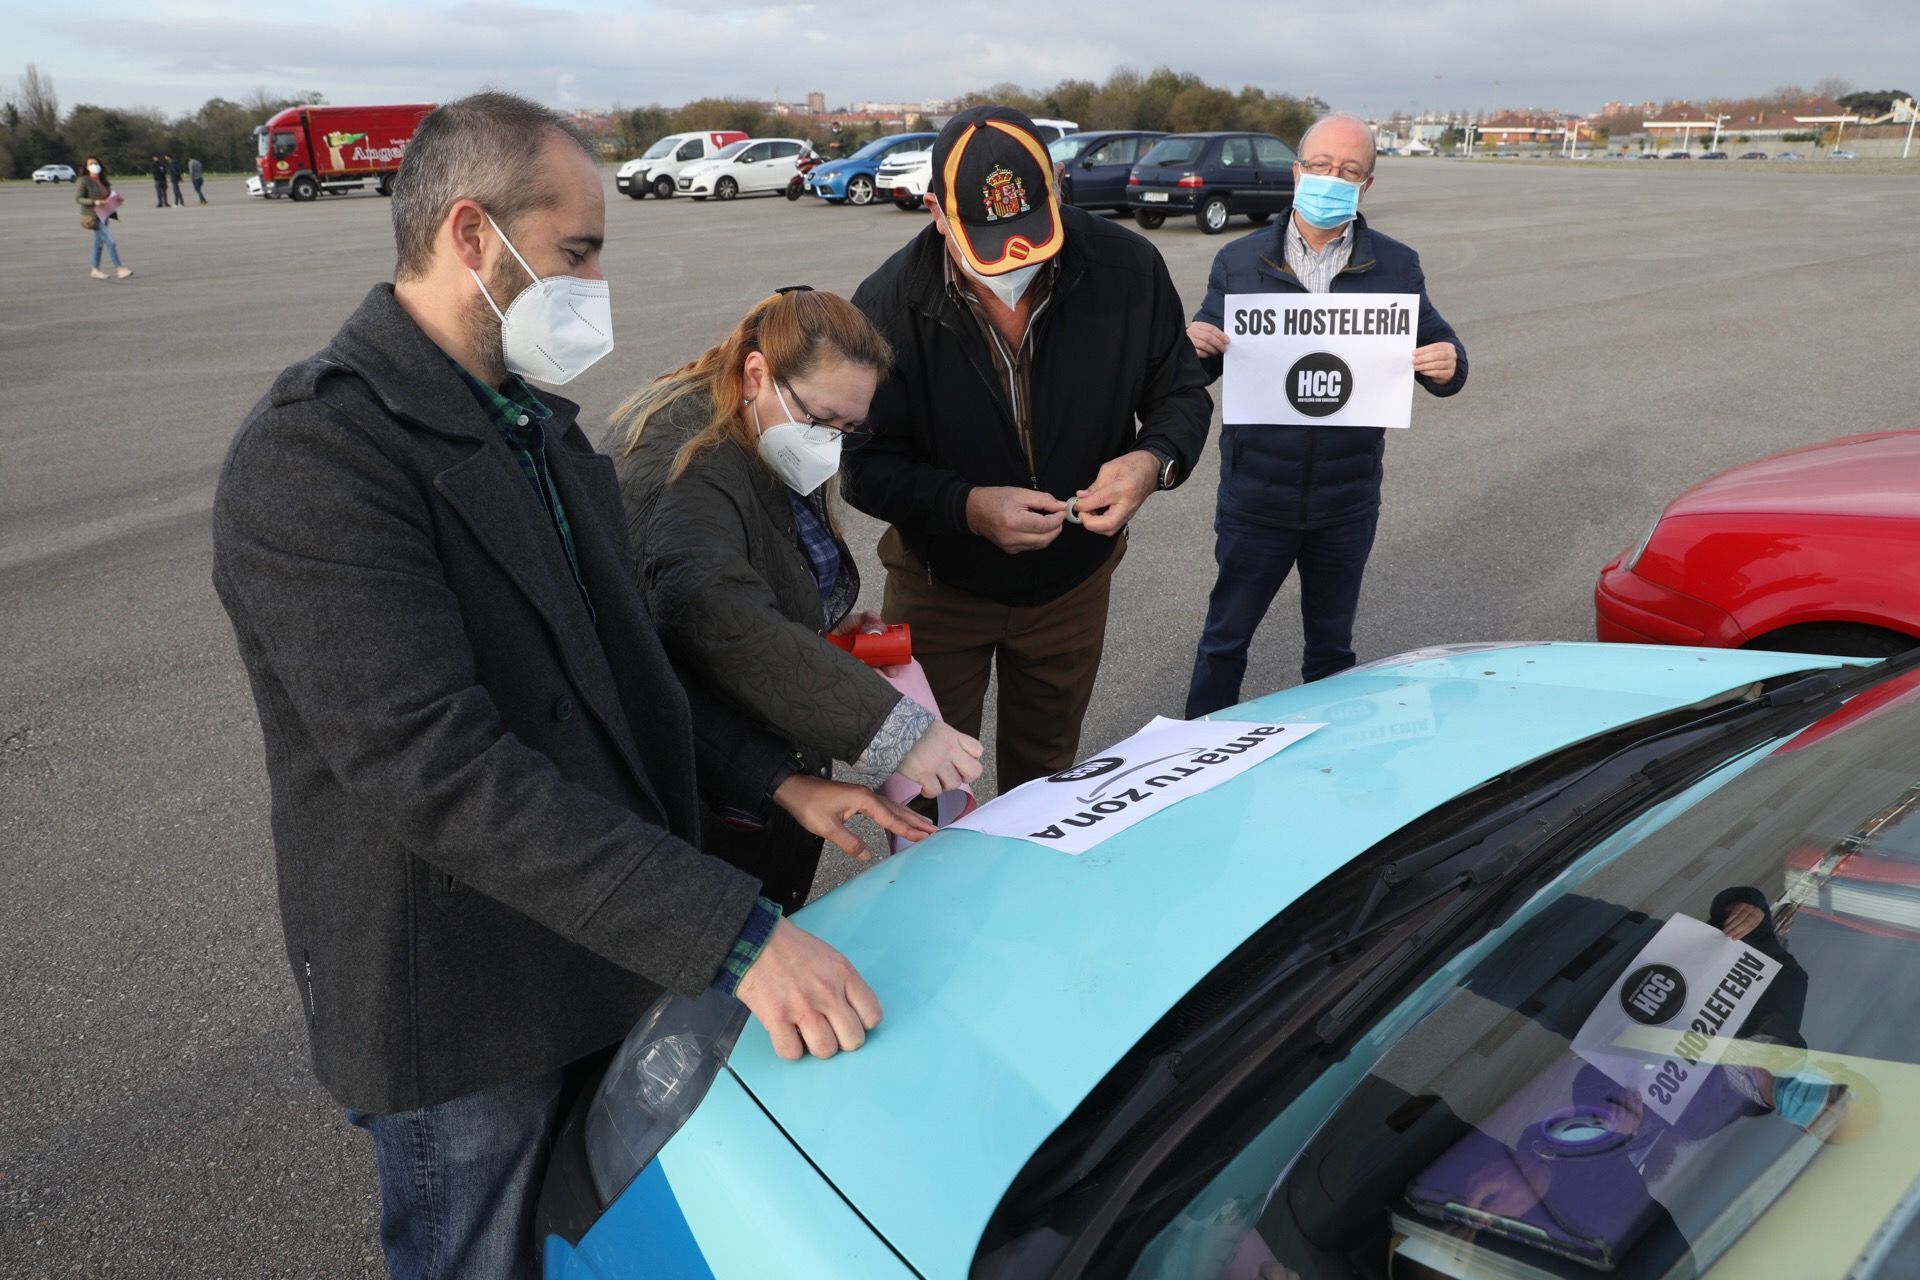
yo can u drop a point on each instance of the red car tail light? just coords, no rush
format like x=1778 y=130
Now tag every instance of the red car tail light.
x=1191 y=180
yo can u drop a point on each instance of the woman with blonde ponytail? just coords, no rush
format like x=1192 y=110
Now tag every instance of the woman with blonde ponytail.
x=725 y=468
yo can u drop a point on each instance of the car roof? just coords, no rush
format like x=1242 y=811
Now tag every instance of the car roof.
x=1014 y=976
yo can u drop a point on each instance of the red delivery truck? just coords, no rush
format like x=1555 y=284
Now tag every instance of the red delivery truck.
x=307 y=150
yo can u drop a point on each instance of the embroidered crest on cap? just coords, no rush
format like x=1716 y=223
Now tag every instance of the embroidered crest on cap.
x=1004 y=193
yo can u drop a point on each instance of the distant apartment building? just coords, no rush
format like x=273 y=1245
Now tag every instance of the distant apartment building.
x=816 y=103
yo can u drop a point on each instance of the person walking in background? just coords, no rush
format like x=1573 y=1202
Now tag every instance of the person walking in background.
x=725 y=466
x=196 y=173
x=1305 y=495
x=1042 y=388
x=173 y=175
x=94 y=194
x=160 y=182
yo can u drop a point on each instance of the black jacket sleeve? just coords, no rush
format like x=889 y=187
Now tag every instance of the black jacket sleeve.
x=1175 y=409
x=889 y=478
x=325 y=555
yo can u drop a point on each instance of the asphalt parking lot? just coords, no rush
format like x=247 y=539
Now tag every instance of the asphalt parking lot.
x=1631 y=329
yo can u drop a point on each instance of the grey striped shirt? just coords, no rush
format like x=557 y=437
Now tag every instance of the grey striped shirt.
x=1317 y=270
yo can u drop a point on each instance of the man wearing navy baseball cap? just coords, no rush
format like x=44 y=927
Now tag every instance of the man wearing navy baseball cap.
x=1042 y=388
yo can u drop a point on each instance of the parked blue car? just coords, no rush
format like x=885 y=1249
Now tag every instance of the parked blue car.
x=1094 y=166
x=1318 y=1020
x=850 y=181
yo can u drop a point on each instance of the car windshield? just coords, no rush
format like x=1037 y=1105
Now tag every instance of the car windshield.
x=1175 y=151
x=877 y=147
x=1065 y=150
x=659 y=148
x=731 y=150
x=1694 y=1053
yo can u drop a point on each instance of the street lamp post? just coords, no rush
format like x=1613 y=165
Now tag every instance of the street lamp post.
x=1909 y=147
x=1717 y=120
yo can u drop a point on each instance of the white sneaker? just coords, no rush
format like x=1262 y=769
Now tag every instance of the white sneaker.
x=97 y=274
x=123 y=272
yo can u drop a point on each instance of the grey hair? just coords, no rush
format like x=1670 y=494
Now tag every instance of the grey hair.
x=484 y=147
x=1373 y=156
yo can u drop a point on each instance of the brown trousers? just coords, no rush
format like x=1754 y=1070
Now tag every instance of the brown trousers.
x=1048 y=656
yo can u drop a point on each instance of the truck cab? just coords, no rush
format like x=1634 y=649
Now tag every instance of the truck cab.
x=308 y=151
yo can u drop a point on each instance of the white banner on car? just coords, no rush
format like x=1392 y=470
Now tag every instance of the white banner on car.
x=1163 y=764
x=1663 y=1025
x=1320 y=359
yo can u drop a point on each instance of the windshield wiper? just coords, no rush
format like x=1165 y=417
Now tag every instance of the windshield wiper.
x=1467 y=864
x=1488 y=849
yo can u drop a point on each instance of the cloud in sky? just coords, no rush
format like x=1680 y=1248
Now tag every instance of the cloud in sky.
x=1386 y=55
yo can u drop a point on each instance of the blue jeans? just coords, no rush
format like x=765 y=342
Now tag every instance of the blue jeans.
x=1254 y=560
x=459 y=1181
x=103 y=239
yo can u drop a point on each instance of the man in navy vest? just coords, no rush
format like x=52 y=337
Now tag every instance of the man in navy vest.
x=1293 y=494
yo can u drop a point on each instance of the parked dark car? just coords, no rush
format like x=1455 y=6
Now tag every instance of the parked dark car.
x=1094 y=167
x=1713 y=155
x=1679 y=155
x=1212 y=176
x=1753 y=155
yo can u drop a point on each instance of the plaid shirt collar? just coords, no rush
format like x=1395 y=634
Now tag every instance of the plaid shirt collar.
x=513 y=412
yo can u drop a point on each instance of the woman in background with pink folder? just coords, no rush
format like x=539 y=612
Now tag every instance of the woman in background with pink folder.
x=726 y=468
x=98 y=205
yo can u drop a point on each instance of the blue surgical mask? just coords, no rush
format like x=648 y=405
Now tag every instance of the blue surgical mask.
x=1326 y=201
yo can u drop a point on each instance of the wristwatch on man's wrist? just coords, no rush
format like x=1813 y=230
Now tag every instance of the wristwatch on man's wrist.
x=1169 y=474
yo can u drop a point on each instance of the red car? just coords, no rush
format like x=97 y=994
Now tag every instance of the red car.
x=1816 y=550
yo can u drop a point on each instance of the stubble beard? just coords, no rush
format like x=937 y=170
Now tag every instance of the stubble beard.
x=484 y=342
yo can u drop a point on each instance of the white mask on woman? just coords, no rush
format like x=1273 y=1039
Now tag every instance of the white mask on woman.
x=94 y=169
x=803 y=455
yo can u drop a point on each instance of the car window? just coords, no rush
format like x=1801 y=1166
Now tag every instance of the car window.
x=1169 y=151
x=1116 y=151
x=284 y=144
x=658 y=149
x=1048 y=132
x=691 y=151
x=1696 y=1031
x=1237 y=153
x=753 y=154
x=731 y=150
x=781 y=150
x=1274 y=154
x=1065 y=150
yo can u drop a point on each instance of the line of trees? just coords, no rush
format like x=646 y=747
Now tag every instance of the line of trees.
x=1175 y=101
x=33 y=131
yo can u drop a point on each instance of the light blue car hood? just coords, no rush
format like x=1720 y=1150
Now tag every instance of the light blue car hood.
x=1014 y=976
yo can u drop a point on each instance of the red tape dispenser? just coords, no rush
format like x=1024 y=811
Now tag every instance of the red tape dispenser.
x=890 y=648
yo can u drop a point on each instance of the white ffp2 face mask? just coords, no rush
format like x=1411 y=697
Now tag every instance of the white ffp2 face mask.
x=802 y=455
x=554 y=329
x=1010 y=287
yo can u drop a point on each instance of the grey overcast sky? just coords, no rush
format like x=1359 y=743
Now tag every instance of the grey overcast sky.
x=1377 y=56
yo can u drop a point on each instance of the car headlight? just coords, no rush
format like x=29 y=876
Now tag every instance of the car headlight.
x=1632 y=558
x=663 y=1069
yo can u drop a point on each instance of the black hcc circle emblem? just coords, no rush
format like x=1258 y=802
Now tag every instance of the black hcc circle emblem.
x=1097 y=767
x=1653 y=994
x=1319 y=384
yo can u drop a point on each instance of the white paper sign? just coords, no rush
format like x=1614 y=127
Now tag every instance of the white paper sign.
x=1661 y=1028
x=1320 y=359
x=1163 y=764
